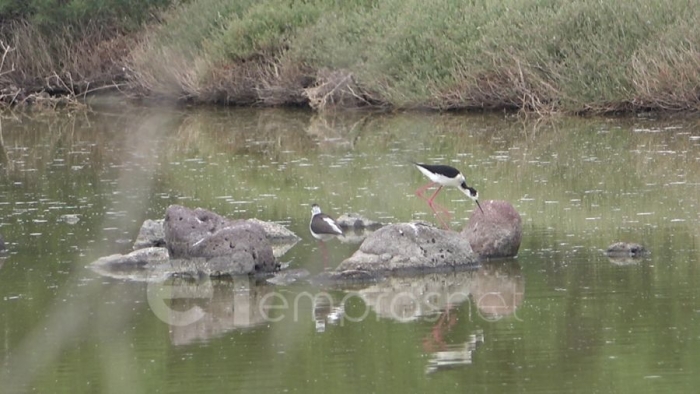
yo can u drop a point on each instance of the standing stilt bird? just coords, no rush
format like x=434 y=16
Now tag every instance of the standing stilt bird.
x=322 y=226
x=443 y=175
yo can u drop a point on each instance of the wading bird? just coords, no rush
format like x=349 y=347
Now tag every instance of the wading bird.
x=323 y=228
x=443 y=175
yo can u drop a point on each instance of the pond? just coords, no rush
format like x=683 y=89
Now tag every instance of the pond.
x=561 y=317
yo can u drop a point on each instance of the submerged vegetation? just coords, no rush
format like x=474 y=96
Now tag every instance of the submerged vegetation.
x=580 y=56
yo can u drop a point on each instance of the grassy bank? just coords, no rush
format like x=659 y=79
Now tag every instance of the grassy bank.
x=53 y=52
x=580 y=56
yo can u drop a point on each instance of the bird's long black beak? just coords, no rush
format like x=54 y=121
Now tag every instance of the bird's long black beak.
x=479 y=205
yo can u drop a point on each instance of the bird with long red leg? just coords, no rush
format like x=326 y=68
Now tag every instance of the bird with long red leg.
x=443 y=175
x=323 y=228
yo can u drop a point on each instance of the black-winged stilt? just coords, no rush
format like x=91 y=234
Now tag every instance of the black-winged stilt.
x=443 y=175
x=322 y=226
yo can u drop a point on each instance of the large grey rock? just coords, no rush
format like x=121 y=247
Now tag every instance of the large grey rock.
x=143 y=265
x=282 y=239
x=198 y=267
x=276 y=233
x=138 y=259
x=229 y=246
x=495 y=233
x=151 y=234
x=184 y=227
x=199 y=243
x=154 y=265
x=415 y=246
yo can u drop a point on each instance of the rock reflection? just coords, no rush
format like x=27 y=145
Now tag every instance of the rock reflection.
x=410 y=298
x=200 y=311
x=499 y=290
x=621 y=261
x=455 y=355
x=496 y=289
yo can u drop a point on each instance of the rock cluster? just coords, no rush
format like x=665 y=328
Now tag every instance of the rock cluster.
x=198 y=242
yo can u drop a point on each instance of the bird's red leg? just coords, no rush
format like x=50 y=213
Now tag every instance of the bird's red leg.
x=422 y=190
x=439 y=217
x=432 y=204
x=435 y=340
x=324 y=254
x=437 y=208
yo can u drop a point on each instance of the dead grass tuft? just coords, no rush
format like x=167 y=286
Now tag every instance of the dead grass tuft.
x=336 y=89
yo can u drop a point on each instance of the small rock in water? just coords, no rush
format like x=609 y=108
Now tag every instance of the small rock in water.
x=287 y=277
x=357 y=221
x=626 y=249
x=70 y=218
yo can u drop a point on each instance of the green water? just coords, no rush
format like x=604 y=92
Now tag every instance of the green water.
x=561 y=317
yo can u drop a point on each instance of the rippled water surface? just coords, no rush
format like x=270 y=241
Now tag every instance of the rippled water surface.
x=561 y=317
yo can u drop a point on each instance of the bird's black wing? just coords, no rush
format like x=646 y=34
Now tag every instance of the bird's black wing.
x=447 y=171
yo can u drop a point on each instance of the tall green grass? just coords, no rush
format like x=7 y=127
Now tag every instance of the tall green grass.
x=538 y=55
x=541 y=55
x=66 y=48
